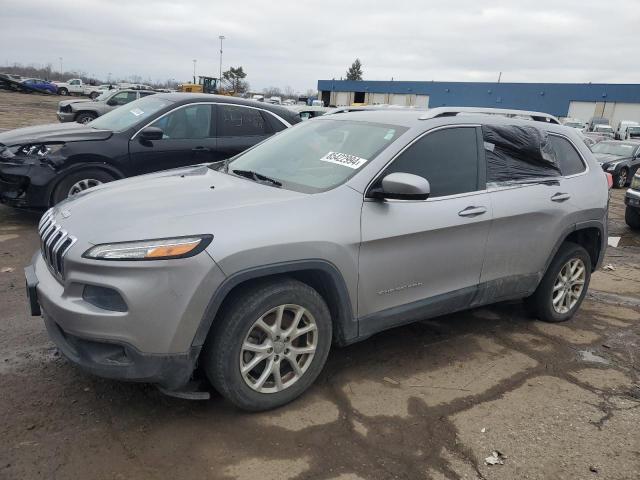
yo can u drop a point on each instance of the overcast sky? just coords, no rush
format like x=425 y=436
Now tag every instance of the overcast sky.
x=297 y=42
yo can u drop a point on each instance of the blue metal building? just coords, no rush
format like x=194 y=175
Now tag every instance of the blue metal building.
x=560 y=99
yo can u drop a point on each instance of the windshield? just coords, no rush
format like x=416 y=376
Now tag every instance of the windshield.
x=104 y=95
x=318 y=155
x=614 y=148
x=574 y=125
x=126 y=116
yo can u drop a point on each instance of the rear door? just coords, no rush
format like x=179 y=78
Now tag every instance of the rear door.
x=238 y=128
x=528 y=221
x=418 y=255
x=188 y=139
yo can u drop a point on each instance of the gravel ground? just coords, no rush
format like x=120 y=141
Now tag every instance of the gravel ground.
x=430 y=400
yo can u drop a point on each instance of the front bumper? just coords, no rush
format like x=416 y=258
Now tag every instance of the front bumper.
x=66 y=116
x=25 y=185
x=122 y=361
x=152 y=341
x=632 y=198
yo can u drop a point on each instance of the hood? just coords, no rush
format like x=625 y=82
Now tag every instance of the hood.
x=607 y=157
x=170 y=203
x=53 y=132
x=64 y=103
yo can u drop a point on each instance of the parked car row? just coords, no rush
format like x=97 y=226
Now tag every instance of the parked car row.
x=85 y=111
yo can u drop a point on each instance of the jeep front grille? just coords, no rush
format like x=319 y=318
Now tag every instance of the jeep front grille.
x=55 y=242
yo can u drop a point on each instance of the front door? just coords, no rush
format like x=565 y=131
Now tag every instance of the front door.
x=188 y=139
x=421 y=258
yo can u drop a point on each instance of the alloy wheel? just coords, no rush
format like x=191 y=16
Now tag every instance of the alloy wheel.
x=567 y=289
x=82 y=185
x=279 y=348
x=622 y=178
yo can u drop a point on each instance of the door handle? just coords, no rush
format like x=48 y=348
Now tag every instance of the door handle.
x=200 y=149
x=472 y=211
x=560 y=197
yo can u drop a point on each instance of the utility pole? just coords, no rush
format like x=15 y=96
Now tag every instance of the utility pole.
x=61 y=68
x=194 y=70
x=499 y=77
x=221 y=37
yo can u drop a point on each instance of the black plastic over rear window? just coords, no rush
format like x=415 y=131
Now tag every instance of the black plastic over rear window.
x=518 y=153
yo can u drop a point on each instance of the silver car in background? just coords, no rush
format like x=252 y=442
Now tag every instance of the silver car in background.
x=84 y=111
x=325 y=234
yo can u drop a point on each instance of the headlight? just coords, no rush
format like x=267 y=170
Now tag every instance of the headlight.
x=635 y=183
x=159 y=249
x=41 y=150
x=611 y=167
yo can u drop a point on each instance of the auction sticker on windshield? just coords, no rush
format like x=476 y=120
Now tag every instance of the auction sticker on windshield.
x=344 y=159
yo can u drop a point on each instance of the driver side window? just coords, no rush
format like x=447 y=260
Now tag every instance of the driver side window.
x=190 y=122
x=447 y=158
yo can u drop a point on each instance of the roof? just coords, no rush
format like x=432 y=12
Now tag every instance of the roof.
x=412 y=118
x=279 y=110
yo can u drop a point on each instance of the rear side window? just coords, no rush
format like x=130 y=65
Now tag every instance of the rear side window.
x=237 y=121
x=447 y=158
x=518 y=153
x=275 y=124
x=567 y=157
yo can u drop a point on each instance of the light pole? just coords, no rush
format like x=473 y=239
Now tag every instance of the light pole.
x=221 y=37
x=60 y=68
x=194 y=70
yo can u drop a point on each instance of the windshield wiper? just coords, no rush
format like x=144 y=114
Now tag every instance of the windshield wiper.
x=257 y=177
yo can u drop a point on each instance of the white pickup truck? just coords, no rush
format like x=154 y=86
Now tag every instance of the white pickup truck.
x=75 y=86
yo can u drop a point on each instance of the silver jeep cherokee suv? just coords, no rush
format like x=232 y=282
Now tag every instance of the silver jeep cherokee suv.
x=328 y=232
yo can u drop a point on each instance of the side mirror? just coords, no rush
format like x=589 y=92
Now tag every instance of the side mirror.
x=151 y=133
x=402 y=186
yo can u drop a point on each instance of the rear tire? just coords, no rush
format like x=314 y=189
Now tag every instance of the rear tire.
x=632 y=217
x=63 y=91
x=85 y=117
x=78 y=181
x=556 y=300
x=238 y=338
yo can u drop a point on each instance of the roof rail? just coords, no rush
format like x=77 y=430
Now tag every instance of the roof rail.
x=453 y=111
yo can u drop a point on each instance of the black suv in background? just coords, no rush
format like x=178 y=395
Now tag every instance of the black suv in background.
x=620 y=159
x=40 y=166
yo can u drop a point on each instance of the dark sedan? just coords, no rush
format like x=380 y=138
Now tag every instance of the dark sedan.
x=41 y=166
x=620 y=159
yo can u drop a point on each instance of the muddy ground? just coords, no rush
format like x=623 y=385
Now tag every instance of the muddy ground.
x=427 y=401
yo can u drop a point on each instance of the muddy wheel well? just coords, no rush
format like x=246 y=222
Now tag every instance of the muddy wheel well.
x=320 y=281
x=589 y=239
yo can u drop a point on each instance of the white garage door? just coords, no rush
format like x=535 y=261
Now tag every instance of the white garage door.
x=582 y=110
x=625 y=111
x=342 y=99
x=422 y=101
x=398 y=99
x=378 y=98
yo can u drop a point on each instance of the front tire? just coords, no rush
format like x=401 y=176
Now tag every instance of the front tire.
x=563 y=286
x=79 y=181
x=268 y=344
x=86 y=117
x=632 y=217
x=622 y=178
